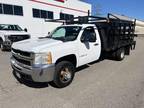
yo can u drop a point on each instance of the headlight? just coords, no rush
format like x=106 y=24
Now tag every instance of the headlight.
x=43 y=58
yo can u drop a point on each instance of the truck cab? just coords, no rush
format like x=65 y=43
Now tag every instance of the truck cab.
x=75 y=45
x=10 y=33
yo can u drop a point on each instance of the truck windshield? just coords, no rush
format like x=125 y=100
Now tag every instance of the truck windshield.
x=10 y=27
x=66 y=33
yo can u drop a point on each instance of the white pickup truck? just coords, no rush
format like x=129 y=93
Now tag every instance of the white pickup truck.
x=54 y=58
x=10 y=33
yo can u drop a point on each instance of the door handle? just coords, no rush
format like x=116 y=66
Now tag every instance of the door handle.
x=96 y=44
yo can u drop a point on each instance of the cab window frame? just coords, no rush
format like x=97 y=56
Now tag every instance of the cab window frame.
x=84 y=30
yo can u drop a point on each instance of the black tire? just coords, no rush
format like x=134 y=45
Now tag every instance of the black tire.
x=120 y=54
x=0 y=43
x=64 y=74
x=2 y=47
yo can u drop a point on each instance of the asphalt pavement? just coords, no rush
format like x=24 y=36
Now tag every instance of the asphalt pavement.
x=104 y=84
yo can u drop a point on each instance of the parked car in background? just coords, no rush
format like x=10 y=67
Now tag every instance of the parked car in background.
x=11 y=33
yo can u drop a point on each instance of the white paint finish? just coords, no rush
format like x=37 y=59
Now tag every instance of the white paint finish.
x=60 y=49
x=67 y=48
x=88 y=52
x=36 y=45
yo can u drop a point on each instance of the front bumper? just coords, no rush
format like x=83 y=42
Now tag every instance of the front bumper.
x=42 y=73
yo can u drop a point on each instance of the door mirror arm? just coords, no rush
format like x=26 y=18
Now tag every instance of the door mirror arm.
x=25 y=30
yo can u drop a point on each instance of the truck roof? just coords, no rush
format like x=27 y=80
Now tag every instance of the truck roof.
x=81 y=25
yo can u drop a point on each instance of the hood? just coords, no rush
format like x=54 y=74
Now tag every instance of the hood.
x=10 y=32
x=35 y=45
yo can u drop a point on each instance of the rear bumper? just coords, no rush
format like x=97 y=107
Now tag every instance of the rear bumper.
x=42 y=73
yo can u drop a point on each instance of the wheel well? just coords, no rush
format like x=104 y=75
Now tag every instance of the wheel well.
x=71 y=58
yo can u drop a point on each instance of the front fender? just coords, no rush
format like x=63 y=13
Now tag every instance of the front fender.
x=64 y=50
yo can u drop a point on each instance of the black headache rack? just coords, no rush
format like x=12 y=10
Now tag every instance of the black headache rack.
x=114 y=32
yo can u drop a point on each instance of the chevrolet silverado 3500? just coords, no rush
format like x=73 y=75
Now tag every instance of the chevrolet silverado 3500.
x=79 y=41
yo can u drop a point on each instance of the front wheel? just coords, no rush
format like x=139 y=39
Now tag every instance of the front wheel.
x=64 y=74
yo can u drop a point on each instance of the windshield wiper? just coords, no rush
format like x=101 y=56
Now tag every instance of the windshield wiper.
x=45 y=37
x=63 y=39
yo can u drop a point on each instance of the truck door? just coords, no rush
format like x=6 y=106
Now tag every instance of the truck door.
x=89 y=47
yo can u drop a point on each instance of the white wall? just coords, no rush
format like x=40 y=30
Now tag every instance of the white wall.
x=37 y=26
x=139 y=27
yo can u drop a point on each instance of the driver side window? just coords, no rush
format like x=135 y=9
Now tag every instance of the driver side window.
x=89 y=35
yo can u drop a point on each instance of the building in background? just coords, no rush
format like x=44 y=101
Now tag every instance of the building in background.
x=30 y=14
x=140 y=27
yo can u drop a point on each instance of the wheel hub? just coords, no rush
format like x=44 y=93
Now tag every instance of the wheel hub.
x=122 y=54
x=65 y=75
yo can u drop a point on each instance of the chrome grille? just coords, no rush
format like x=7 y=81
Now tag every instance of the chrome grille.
x=22 y=53
x=23 y=57
x=16 y=38
x=20 y=60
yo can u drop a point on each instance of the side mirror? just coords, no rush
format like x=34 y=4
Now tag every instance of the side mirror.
x=84 y=39
x=25 y=30
x=48 y=33
x=88 y=39
x=92 y=39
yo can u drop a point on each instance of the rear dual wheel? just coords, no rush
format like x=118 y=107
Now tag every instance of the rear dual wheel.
x=120 y=54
